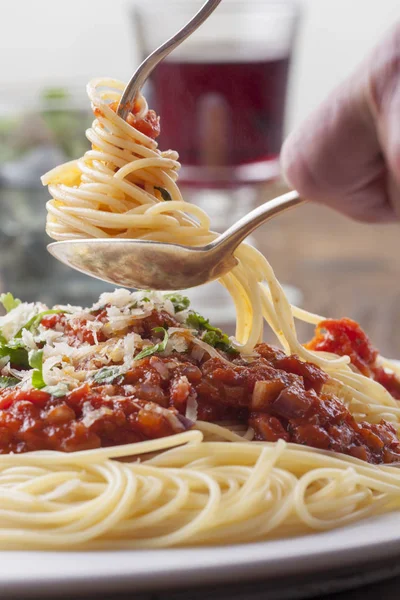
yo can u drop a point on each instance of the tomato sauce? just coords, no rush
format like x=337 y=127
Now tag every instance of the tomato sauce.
x=148 y=125
x=279 y=396
x=345 y=337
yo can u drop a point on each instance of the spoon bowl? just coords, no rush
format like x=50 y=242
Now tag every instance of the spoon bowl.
x=145 y=264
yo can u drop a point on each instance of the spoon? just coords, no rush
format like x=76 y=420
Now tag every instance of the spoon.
x=142 y=73
x=146 y=264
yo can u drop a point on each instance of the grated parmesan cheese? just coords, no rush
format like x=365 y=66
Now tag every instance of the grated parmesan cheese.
x=191 y=408
x=130 y=341
x=69 y=361
x=119 y=298
x=90 y=414
x=28 y=340
x=13 y=321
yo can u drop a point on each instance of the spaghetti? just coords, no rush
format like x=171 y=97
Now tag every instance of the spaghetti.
x=201 y=483
x=200 y=493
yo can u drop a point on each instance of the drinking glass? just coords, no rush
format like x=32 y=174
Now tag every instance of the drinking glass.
x=221 y=98
x=221 y=94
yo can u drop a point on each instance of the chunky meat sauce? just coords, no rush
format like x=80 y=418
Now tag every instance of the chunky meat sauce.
x=279 y=396
x=149 y=124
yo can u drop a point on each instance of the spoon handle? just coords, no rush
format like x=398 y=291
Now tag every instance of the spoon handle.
x=232 y=237
x=142 y=73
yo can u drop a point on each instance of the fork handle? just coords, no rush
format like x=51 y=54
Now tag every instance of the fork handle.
x=232 y=237
x=141 y=75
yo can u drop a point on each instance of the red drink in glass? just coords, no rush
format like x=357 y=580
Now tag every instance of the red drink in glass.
x=222 y=113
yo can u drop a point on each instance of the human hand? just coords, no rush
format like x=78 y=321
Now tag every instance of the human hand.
x=347 y=153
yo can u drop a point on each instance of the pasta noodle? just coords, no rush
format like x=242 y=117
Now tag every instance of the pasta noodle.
x=200 y=493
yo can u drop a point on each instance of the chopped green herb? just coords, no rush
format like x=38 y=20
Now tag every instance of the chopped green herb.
x=219 y=340
x=9 y=302
x=6 y=382
x=106 y=374
x=212 y=335
x=35 y=321
x=15 y=344
x=36 y=362
x=164 y=193
x=180 y=302
x=17 y=355
x=198 y=322
x=57 y=391
x=160 y=347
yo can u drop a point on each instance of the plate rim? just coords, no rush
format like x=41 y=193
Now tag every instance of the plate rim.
x=48 y=572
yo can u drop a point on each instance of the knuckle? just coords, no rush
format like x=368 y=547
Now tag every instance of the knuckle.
x=296 y=170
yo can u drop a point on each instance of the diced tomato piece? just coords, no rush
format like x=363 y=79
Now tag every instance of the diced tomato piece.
x=50 y=321
x=9 y=396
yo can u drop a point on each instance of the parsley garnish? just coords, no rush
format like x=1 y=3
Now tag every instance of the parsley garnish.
x=57 y=391
x=36 y=362
x=164 y=193
x=17 y=355
x=6 y=382
x=198 y=322
x=211 y=335
x=180 y=302
x=106 y=374
x=160 y=347
x=9 y=302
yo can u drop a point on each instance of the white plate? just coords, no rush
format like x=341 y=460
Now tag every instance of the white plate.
x=41 y=573
x=27 y=574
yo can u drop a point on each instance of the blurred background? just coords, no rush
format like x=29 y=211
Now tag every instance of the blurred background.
x=226 y=99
